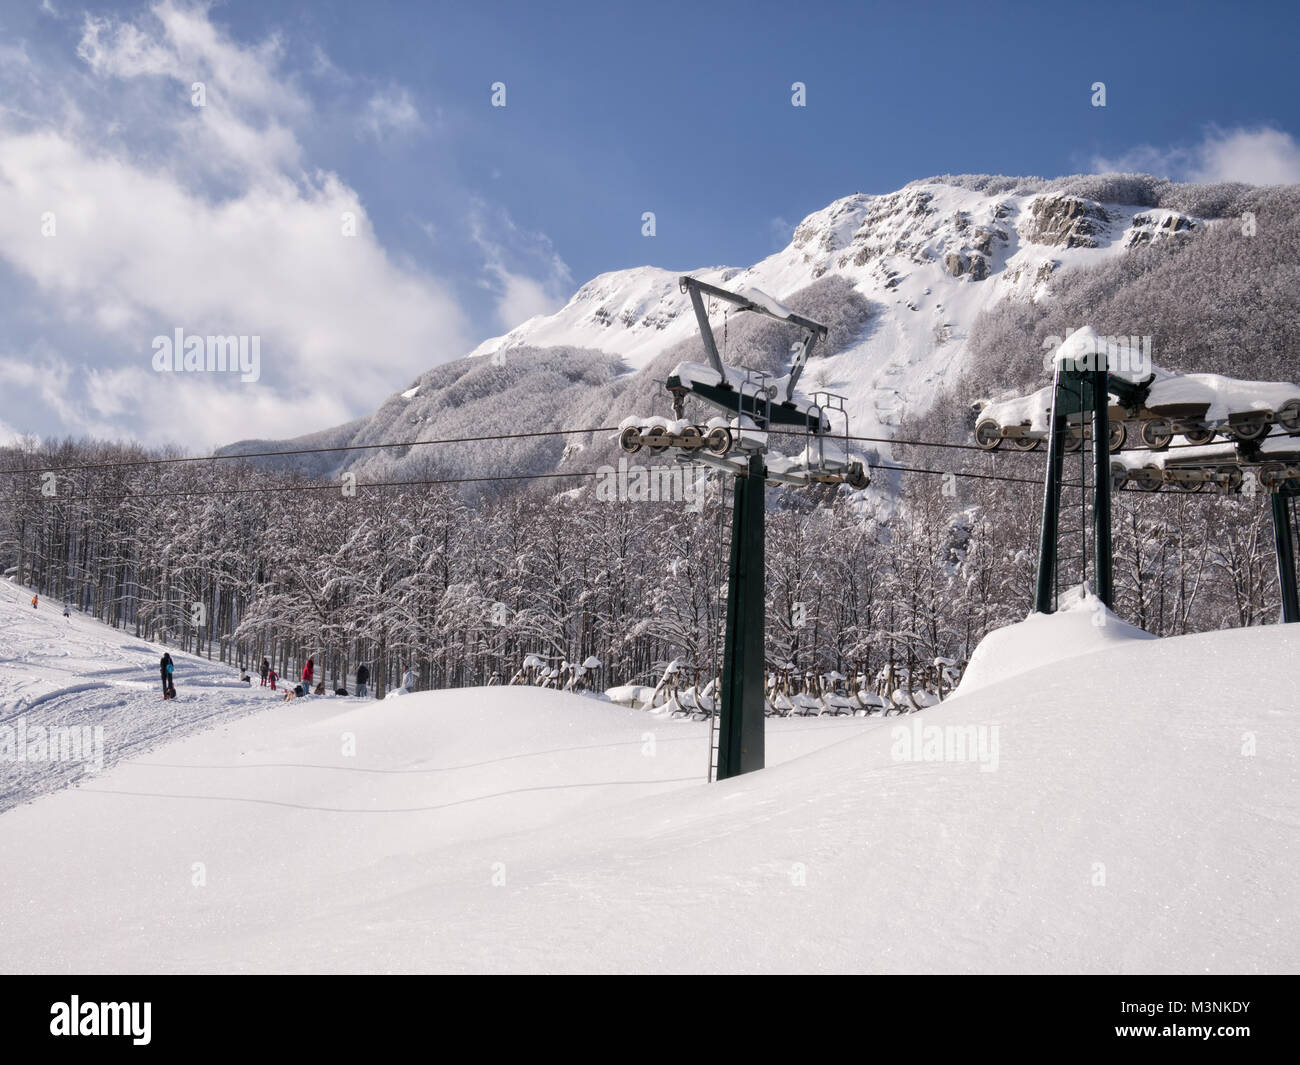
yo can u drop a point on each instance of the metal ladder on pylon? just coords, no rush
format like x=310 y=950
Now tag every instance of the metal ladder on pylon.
x=714 y=735
x=715 y=719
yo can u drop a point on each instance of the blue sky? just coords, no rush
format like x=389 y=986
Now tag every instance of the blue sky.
x=223 y=218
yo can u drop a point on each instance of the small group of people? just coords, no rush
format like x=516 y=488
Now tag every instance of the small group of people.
x=270 y=678
x=67 y=610
x=306 y=686
x=167 y=670
x=268 y=674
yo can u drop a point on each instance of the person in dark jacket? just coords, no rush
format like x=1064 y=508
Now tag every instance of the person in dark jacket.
x=264 y=670
x=363 y=678
x=166 y=668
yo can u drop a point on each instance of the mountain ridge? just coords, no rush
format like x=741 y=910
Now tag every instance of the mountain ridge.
x=925 y=261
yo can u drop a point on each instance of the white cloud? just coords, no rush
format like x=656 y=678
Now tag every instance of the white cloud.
x=323 y=66
x=144 y=255
x=523 y=298
x=781 y=231
x=390 y=112
x=45 y=376
x=521 y=267
x=244 y=125
x=16 y=62
x=182 y=43
x=1259 y=156
x=142 y=246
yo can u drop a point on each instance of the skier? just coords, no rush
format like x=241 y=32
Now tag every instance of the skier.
x=272 y=676
x=34 y=602
x=264 y=670
x=307 y=672
x=408 y=680
x=166 y=669
x=363 y=678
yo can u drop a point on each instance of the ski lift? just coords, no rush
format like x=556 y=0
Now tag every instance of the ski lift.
x=752 y=402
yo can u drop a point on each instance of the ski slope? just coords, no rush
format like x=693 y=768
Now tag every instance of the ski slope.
x=72 y=672
x=1140 y=813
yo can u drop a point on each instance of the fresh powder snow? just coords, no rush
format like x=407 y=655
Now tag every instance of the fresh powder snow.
x=1107 y=804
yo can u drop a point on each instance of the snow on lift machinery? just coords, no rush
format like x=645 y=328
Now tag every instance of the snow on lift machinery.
x=1165 y=405
x=736 y=442
x=753 y=404
x=1159 y=406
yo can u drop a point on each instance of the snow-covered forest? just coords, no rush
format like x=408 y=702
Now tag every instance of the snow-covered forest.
x=243 y=557
x=235 y=563
x=237 y=559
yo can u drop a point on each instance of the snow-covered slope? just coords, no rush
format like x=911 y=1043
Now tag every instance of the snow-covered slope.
x=927 y=258
x=58 y=672
x=1129 y=809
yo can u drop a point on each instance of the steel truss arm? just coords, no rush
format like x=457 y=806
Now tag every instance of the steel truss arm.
x=813 y=331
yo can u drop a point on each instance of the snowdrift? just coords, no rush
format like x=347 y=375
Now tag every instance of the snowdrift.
x=1081 y=625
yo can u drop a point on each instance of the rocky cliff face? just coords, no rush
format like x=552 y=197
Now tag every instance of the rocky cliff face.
x=1064 y=221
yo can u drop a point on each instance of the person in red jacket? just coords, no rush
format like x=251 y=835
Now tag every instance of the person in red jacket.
x=307 y=672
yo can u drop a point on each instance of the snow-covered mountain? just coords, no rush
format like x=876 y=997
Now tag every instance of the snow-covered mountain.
x=928 y=257
x=926 y=260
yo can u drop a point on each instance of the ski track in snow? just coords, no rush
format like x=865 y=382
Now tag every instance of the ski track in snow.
x=58 y=672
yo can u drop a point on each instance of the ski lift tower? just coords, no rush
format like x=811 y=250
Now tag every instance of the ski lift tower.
x=1078 y=392
x=751 y=403
x=1082 y=408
